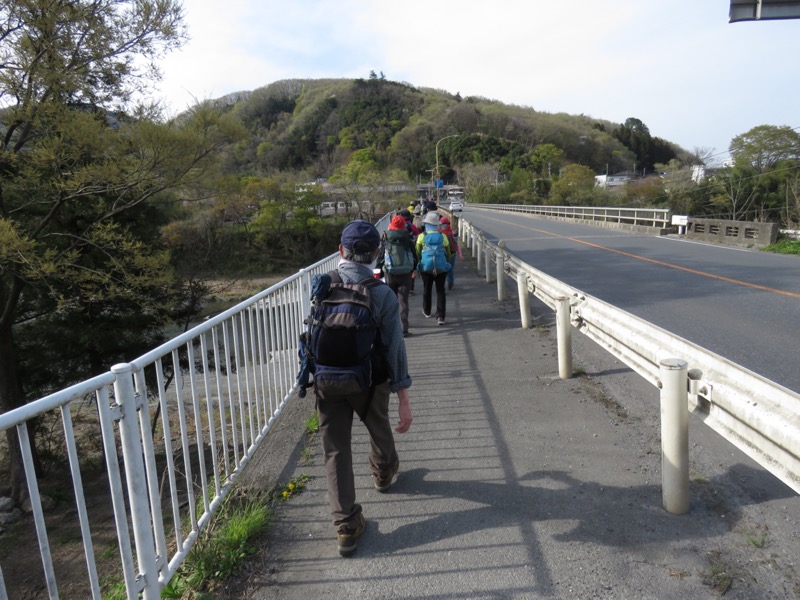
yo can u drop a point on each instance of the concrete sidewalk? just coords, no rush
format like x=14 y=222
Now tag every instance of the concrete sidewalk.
x=516 y=484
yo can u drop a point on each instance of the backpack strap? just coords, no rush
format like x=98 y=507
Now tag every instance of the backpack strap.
x=366 y=282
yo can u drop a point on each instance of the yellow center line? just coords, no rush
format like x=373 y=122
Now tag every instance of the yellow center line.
x=655 y=262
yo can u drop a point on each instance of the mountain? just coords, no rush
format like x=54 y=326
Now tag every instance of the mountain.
x=314 y=127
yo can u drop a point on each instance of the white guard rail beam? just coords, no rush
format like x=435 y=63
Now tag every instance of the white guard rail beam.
x=187 y=417
x=656 y=218
x=759 y=416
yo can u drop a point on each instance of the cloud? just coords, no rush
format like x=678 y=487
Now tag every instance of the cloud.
x=680 y=67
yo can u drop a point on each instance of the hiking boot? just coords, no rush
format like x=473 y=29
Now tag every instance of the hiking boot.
x=426 y=315
x=348 y=536
x=384 y=483
x=440 y=320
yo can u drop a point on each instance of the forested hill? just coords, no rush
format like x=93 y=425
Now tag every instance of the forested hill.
x=318 y=126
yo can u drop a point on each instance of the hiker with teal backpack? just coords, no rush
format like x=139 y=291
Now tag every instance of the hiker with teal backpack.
x=399 y=262
x=433 y=252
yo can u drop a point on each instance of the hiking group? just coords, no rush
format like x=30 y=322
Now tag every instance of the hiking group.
x=354 y=355
x=423 y=246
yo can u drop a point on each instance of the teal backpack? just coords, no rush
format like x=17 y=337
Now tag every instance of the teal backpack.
x=434 y=256
x=398 y=256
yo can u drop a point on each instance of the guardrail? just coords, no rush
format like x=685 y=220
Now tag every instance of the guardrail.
x=176 y=427
x=757 y=415
x=658 y=218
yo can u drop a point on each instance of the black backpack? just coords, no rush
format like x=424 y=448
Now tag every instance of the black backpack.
x=339 y=347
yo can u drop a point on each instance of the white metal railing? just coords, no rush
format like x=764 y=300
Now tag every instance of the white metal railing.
x=659 y=218
x=176 y=427
x=759 y=416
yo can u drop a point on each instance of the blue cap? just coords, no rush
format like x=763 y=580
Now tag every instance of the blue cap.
x=360 y=237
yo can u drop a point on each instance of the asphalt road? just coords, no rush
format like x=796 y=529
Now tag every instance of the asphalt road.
x=515 y=484
x=743 y=304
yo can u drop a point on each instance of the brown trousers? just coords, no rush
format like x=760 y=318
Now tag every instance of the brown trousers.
x=335 y=425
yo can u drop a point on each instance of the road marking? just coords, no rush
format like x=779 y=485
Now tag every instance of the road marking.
x=754 y=286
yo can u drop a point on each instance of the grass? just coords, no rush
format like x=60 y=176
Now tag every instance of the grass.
x=718 y=575
x=312 y=424
x=306 y=456
x=224 y=547
x=228 y=541
x=757 y=539
x=784 y=246
x=220 y=552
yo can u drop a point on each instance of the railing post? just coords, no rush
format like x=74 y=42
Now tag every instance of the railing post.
x=674 y=435
x=478 y=252
x=136 y=479
x=488 y=263
x=524 y=300
x=564 y=336
x=305 y=293
x=500 y=271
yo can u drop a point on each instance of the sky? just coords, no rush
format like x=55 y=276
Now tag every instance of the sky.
x=678 y=66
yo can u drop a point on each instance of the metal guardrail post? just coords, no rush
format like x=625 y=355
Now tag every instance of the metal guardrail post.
x=500 y=271
x=488 y=265
x=674 y=435
x=524 y=300
x=136 y=478
x=478 y=253
x=564 y=336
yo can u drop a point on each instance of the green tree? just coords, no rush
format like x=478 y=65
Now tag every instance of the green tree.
x=763 y=146
x=735 y=192
x=547 y=159
x=75 y=177
x=574 y=183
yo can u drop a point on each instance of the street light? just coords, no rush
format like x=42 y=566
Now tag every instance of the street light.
x=436 y=179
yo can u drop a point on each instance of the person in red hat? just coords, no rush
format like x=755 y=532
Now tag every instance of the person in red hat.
x=399 y=264
x=414 y=230
x=455 y=249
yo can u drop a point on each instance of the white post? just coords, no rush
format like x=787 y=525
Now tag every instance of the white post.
x=564 y=336
x=524 y=300
x=488 y=264
x=674 y=435
x=500 y=271
x=478 y=253
x=136 y=478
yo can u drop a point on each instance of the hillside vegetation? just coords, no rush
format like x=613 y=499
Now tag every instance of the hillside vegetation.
x=315 y=127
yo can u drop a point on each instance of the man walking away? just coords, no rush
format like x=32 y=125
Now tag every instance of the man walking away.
x=433 y=251
x=339 y=397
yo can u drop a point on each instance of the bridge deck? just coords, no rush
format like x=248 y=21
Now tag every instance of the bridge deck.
x=516 y=484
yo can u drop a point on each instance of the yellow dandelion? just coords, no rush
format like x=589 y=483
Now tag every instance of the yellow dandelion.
x=291 y=486
x=285 y=493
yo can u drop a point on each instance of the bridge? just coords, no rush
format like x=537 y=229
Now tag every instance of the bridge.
x=536 y=465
